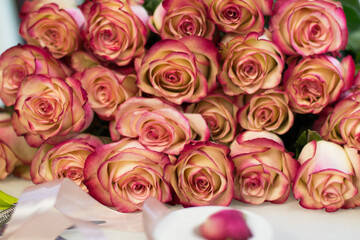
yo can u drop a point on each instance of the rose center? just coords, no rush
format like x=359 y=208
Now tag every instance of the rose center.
x=202 y=184
x=232 y=13
x=102 y=94
x=172 y=77
x=187 y=27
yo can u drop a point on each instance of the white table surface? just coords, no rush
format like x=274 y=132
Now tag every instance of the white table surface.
x=289 y=220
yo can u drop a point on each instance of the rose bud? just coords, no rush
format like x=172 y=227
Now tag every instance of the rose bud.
x=107 y=89
x=51 y=28
x=112 y=32
x=180 y=71
x=124 y=174
x=17 y=144
x=249 y=64
x=309 y=27
x=225 y=224
x=158 y=126
x=264 y=170
x=64 y=160
x=236 y=16
x=16 y=63
x=268 y=110
x=202 y=175
x=325 y=177
x=50 y=109
x=219 y=113
x=174 y=19
x=313 y=83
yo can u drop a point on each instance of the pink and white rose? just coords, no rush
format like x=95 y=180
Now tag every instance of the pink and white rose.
x=219 y=112
x=309 y=27
x=107 y=89
x=325 y=177
x=180 y=71
x=124 y=174
x=156 y=124
x=112 y=31
x=268 y=110
x=264 y=170
x=17 y=62
x=249 y=64
x=52 y=28
x=236 y=16
x=174 y=19
x=50 y=109
x=64 y=160
x=313 y=83
x=202 y=175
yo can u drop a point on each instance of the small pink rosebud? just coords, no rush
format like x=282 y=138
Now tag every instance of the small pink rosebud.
x=226 y=224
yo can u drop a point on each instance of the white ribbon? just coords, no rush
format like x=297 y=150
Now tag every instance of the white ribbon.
x=46 y=210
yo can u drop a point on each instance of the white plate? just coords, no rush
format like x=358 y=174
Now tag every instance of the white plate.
x=184 y=224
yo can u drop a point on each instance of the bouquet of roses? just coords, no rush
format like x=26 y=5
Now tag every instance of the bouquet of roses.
x=192 y=102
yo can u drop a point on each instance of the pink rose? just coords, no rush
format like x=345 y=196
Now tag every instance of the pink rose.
x=202 y=175
x=180 y=71
x=112 y=31
x=64 y=160
x=22 y=60
x=157 y=125
x=325 y=177
x=313 y=83
x=107 y=89
x=124 y=174
x=309 y=27
x=50 y=109
x=219 y=113
x=17 y=144
x=340 y=124
x=52 y=28
x=236 y=16
x=268 y=110
x=249 y=64
x=264 y=170
x=354 y=157
x=174 y=19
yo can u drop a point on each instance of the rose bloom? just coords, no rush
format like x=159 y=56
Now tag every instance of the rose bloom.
x=202 y=175
x=112 y=31
x=174 y=19
x=236 y=16
x=309 y=27
x=219 y=113
x=264 y=170
x=249 y=64
x=313 y=83
x=268 y=110
x=50 y=109
x=124 y=174
x=157 y=125
x=52 y=28
x=13 y=149
x=64 y=160
x=17 y=144
x=180 y=71
x=325 y=177
x=341 y=124
x=22 y=60
x=107 y=89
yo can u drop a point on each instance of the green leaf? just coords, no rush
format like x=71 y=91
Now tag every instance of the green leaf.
x=6 y=200
x=150 y=5
x=305 y=137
